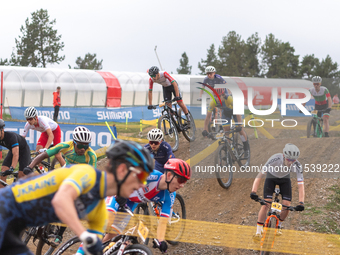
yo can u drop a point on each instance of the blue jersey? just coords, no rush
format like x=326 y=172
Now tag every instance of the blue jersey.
x=147 y=194
x=217 y=80
x=162 y=155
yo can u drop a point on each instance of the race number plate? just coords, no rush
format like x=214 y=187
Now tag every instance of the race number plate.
x=276 y=207
x=142 y=231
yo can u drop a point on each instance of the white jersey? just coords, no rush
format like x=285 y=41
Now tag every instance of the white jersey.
x=44 y=123
x=164 y=79
x=275 y=166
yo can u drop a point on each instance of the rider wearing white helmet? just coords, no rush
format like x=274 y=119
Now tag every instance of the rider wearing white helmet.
x=160 y=149
x=323 y=102
x=277 y=170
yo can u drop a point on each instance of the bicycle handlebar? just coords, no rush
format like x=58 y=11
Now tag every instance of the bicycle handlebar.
x=264 y=202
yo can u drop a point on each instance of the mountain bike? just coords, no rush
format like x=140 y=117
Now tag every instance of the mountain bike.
x=230 y=151
x=216 y=114
x=121 y=244
x=172 y=123
x=272 y=222
x=315 y=125
x=175 y=226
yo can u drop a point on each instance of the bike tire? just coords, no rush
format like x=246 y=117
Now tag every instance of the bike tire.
x=309 y=128
x=56 y=162
x=136 y=249
x=142 y=209
x=238 y=145
x=189 y=134
x=42 y=245
x=25 y=235
x=223 y=158
x=170 y=131
x=268 y=239
x=71 y=245
x=183 y=215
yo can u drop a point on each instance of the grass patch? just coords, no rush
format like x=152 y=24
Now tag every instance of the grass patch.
x=334 y=204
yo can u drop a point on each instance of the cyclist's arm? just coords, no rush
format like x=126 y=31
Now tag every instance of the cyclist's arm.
x=329 y=101
x=301 y=187
x=150 y=90
x=63 y=204
x=165 y=214
x=257 y=181
x=38 y=159
x=93 y=159
x=174 y=83
x=50 y=138
x=15 y=158
x=207 y=120
x=24 y=133
x=299 y=177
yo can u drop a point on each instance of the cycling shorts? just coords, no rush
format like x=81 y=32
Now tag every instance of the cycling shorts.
x=284 y=184
x=11 y=225
x=169 y=91
x=321 y=107
x=24 y=158
x=44 y=137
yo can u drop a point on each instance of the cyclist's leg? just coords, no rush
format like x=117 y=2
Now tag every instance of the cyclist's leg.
x=243 y=135
x=325 y=118
x=167 y=95
x=6 y=165
x=286 y=193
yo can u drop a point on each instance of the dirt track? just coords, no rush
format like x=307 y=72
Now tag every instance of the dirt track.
x=206 y=200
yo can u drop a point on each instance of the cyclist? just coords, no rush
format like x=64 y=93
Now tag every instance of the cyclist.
x=69 y=194
x=323 y=101
x=170 y=87
x=50 y=131
x=159 y=187
x=159 y=148
x=18 y=151
x=227 y=106
x=77 y=151
x=278 y=168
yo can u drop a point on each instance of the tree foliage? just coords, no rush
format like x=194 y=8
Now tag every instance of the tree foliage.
x=89 y=62
x=184 y=67
x=39 y=43
x=211 y=60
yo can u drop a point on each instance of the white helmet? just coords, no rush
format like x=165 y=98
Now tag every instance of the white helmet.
x=316 y=79
x=155 y=135
x=81 y=134
x=291 y=151
x=30 y=112
x=210 y=69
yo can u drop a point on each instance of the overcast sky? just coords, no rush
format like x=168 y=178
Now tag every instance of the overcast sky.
x=124 y=33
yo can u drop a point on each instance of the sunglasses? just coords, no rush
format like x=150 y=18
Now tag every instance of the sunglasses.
x=181 y=179
x=82 y=146
x=141 y=175
x=291 y=160
x=153 y=142
x=153 y=76
x=316 y=84
x=29 y=119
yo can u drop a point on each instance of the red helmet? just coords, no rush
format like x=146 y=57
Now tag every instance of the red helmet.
x=179 y=167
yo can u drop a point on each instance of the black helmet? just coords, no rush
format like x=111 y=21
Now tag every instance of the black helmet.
x=153 y=70
x=131 y=152
x=2 y=124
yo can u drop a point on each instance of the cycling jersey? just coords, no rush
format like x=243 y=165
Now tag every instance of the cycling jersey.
x=321 y=96
x=162 y=155
x=43 y=124
x=28 y=201
x=217 y=80
x=275 y=166
x=12 y=140
x=71 y=157
x=164 y=79
x=227 y=103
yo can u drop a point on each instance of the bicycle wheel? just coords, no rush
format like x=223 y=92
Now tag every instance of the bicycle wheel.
x=170 y=132
x=224 y=161
x=71 y=246
x=56 y=162
x=142 y=209
x=188 y=132
x=311 y=128
x=136 y=249
x=269 y=236
x=176 y=226
x=238 y=145
x=49 y=233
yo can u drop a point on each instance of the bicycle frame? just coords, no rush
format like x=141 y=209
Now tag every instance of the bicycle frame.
x=168 y=111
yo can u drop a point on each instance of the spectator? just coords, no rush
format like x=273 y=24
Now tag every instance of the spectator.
x=56 y=103
x=336 y=99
